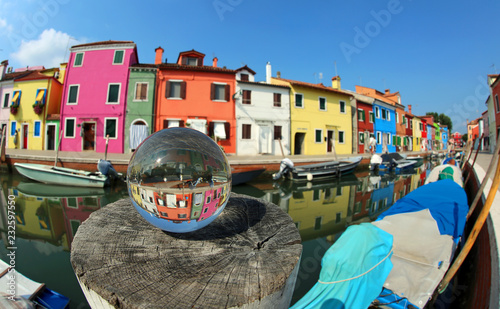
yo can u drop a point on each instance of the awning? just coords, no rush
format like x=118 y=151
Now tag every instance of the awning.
x=198 y=124
x=40 y=95
x=16 y=97
x=220 y=130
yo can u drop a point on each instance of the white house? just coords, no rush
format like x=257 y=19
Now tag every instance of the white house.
x=262 y=115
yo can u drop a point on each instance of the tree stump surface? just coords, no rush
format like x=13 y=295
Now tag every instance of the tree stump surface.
x=247 y=254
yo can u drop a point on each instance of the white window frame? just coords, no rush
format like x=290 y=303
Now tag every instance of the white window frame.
x=343 y=133
x=77 y=94
x=74 y=60
x=379 y=138
x=389 y=138
x=497 y=103
x=215 y=94
x=135 y=92
x=322 y=136
x=319 y=104
x=179 y=81
x=359 y=139
x=397 y=117
x=6 y=103
x=34 y=125
x=340 y=107
x=13 y=123
x=377 y=112
x=119 y=93
x=114 y=55
x=362 y=113
x=370 y=117
x=66 y=124
x=116 y=127
x=388 y=115
x=295 y=100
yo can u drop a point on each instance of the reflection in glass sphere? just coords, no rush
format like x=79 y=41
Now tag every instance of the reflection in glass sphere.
x=179 y=180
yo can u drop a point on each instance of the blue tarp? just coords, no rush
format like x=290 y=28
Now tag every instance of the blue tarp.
x=354 y=270
x=446 y=201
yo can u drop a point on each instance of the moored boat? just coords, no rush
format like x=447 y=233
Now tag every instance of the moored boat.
x=240 y=176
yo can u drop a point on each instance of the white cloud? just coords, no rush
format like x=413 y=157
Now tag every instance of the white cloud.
x=3 y=23
x=49 y=49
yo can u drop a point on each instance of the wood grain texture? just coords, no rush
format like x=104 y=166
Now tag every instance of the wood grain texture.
x=247 y=254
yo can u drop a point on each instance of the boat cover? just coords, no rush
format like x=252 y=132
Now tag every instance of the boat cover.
x=445 y=171
x=426 y=226
x=353 y=270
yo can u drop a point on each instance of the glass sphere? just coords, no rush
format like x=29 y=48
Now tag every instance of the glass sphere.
x=179 y=180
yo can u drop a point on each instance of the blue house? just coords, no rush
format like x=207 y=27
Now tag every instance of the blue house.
x=444 y=136
x=430 y=137
x=382 y=197
x=384 y=126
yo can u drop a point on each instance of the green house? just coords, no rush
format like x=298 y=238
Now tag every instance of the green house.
x=140 y=105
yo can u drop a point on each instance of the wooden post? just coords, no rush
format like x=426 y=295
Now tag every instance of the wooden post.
x=247 y=258
x=474 y=161
x=58 y=146
x=3 y=135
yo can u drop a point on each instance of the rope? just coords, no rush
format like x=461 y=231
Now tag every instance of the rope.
x=361 y=275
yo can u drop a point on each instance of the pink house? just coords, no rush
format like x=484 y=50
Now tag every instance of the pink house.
x=95 y=95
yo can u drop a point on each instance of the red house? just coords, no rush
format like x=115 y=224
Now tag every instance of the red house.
x=192 y=94
x=495 y=93
x=365 y=120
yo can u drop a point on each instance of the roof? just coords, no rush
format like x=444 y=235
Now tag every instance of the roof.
x=203 y=68
x=312 y=86
x=384 y=97
x=110 y=42
x=34 y=75
x=15 y=75
x=149 y=66
x=247 y=69
x=263 y=84
x=361 y=97
x=188 y=52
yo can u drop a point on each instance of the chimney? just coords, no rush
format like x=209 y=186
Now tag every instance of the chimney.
x=214 y=64
x=387 y=91
x=3 y=68
x=409 y=109
x=268 y=73
x=336 y=82
x=159 y=55
x=278 y=74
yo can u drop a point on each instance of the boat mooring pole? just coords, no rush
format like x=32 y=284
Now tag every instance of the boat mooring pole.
x=106 y=150
x=468 y=152
x=486 y=177
x=281 y=147
x=3 y=134
x=483 y=215
x=58 y=146
x=475 y=157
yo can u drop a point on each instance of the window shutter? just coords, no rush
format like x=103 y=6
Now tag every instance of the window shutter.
x=200 y=62
x=227 y=127
x=212 y=91
x=211 y=126
x=167 y=89
x=144 y=91
x=184 y=60
x=181 y=123
x=227 y=92
x=165 y=123
x=183 y=90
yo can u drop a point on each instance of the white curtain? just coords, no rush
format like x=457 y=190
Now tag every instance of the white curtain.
x=173 y=123
x=198 y=124
x=138 y=133
x=220 y=130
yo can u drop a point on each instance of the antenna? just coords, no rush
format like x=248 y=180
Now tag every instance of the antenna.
x=494 y=68
x=335 y=64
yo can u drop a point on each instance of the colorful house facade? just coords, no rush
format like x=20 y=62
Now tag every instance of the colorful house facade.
x=93 y=105
x=262 y=115
x=444 y=136
x=139 y=119
x=363 y=124
x=320 y=117
x=191 y=94
x=35 y=97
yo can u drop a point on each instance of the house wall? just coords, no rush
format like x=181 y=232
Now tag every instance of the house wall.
x=364 y=125
x=495 y=91
x=385 y=126
x=417 y=134
x=262 y=113
x=5 y=87
x=93 y=77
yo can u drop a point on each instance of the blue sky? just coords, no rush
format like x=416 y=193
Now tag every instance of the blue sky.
x=435 y=53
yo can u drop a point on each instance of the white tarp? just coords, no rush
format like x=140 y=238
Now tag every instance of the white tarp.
x=173 y=123
x=138 y=133
x=220 y=130
x=198 y=124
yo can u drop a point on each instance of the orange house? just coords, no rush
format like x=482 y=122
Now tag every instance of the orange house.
x=191 y=94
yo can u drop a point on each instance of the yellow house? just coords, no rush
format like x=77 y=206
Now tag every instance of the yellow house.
x=417 y=133
x=36 y=97
x=320 y=117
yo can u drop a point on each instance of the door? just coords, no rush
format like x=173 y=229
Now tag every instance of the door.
x=51 y=137
x=265 y=139
x=330 y=147
x=88 y=135
x=139 y=131
x=25 y=137
x=299 y=143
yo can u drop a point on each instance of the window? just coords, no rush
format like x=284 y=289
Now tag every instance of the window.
x=110 y=127
x=377 y=112
x=298 y=100
x=36 y=131
x=322 y=104
x=361 y=115
x=277 y=99
x=69 y=127
x=244 y=77
x=411 y=124
x=13 y=128
x=397 y=117
x=318 y=135
x=379 y=138
x=16 y=97
x=6 y=100
x=175 y=89
x=113 y=93
x=219 y=92
x=394 y=140
x=384 y=114
x=341 y=137
x=317 y=223
x=192 y=61
x=388 y=138
x=246 y=131
x=277 y=132
x=342 y=107
x=388 y=115
x=497 y=103
x=141 y=92
x=372 y=117
x=78 y=60
x=118 y=58
x=73 y=94
x=361 y=138
x=247 y=97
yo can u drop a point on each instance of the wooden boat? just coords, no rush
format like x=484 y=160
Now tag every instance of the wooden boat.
x=244 y=175
x=61 y=175
x=395 y=162
x=28 y=293
x=317 y=171
x=53 y=191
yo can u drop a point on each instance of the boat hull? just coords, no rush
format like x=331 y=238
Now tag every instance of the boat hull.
x=325 y=170
x=60 y=176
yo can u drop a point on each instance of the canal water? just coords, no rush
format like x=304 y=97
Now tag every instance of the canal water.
x=47 y=218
